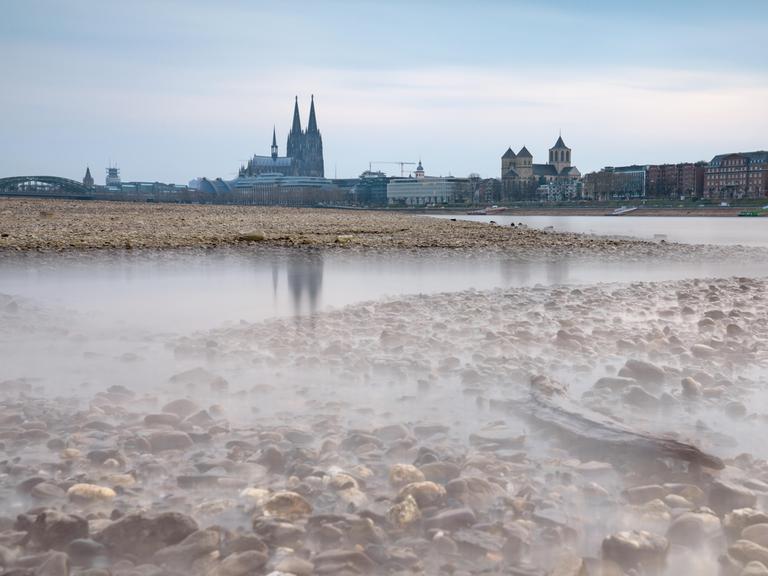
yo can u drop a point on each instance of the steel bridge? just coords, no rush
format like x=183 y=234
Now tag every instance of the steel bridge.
x=44 y=187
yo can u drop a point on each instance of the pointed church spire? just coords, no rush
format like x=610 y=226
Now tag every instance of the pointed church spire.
x=296 y=127
x=312 y=126
x=274 y=143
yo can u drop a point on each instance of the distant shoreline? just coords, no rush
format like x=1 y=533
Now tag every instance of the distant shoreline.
x=713 y=211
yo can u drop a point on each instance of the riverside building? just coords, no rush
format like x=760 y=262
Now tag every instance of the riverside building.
x=421 y=190
x=521 y=179
x=737 y=175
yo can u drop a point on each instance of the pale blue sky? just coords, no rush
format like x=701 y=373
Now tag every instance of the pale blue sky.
x=172 y=89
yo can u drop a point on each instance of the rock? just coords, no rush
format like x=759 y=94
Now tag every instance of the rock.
x=477 y=493
x=642 y=371
x=241 y=564
x=288 y=505
x=86 y=493
x=55 y=530
x=425 y=493
x=440 y=472
x=181 y=408
x=165 y=419
x=244 y=543
x=295 y=565
x=341 y=561
x=725 y=496
x=640 y=397
x=614 y=383
x=637 y=549
x=169 y=440
x=754 y=568
x=47 y=491
x=404 y=513
x=142 y=535
x=694 y=529
x=477 y=542
x=569 y=565
x=451 y=520
x=188 y=550
x=736 y=521
x=402 y=474
x=747 y=551
x=691 y=388
x=757 y=533
x=57 y=564
x=83 y=551
x=702 y=351
x=643 y=494
x=500 y=436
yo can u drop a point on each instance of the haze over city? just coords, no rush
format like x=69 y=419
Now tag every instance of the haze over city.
x=174 y=90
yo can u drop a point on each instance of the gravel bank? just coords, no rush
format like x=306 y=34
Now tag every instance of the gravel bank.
x=61 y=225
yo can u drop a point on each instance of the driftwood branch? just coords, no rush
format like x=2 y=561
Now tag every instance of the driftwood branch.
x=596 y=432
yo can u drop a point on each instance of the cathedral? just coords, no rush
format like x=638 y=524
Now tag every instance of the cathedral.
x=304 y=151
x=520 y=177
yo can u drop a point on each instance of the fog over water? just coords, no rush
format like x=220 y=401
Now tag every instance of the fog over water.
x=432 y=408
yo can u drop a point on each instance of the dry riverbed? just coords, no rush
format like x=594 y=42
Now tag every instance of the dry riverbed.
x=61 y=225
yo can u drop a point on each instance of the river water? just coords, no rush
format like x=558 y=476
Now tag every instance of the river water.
x=726 y=231
x=192 y=291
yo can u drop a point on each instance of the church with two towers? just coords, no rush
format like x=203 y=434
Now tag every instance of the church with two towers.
x=304 y=151
x=520 y=177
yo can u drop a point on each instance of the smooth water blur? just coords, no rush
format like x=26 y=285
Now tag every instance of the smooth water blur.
x=179 y=292
x=727 y=231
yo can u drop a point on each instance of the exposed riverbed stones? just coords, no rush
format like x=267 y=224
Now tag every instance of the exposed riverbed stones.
x=324 y=453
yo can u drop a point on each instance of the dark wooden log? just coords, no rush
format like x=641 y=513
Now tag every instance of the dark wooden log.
x=596 y=432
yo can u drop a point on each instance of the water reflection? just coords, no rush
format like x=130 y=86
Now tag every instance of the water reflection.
x=305 y=281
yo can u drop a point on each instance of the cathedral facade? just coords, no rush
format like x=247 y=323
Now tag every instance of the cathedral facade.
x=521 y=178
x=304 y=151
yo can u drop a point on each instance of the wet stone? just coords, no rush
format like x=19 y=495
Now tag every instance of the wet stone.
x=55 y=530
x=162 y=441
x=241 y=564
x=142 y=535
x=725 y=496
x=747 y=551
x=425 y=493
x=637 y=549
x=451 y=520
x=402 y=474
x=287 y=504
x=182 y=407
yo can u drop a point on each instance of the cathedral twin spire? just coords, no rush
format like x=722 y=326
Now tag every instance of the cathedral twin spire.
x=296 y=126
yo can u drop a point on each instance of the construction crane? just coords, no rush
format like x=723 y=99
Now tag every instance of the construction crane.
x=402 y=164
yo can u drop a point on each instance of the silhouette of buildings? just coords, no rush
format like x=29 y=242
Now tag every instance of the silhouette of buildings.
x=304 y=151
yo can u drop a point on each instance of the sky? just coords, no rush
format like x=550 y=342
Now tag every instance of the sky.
x=170 y=90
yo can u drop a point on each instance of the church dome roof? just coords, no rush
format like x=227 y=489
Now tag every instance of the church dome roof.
x=509 y=153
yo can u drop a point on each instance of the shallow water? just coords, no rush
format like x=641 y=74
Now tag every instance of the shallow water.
x=726 y=231
x=191 y=291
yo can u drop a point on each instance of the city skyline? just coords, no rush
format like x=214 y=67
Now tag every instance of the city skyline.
x=171 y=91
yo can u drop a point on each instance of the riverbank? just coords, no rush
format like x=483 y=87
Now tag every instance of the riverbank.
x=67 y=226
x=708 y=212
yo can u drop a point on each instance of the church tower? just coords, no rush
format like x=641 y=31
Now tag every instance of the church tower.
x=523 y=163
x=274 y=144
x=88 y=179
x=313 y=146
x=560 y=155
x=295 y=140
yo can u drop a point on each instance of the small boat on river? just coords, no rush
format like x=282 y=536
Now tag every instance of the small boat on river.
x=623 y=210
x=487 y=211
